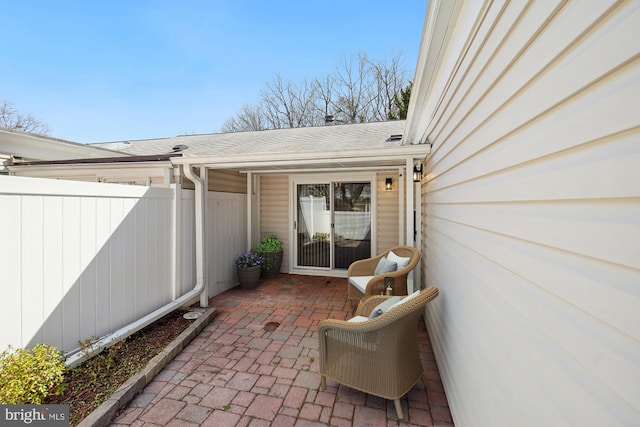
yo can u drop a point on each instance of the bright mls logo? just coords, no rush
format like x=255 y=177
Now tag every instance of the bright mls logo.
x=37 y=415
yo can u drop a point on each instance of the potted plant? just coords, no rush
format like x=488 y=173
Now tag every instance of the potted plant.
x=248 y=266
x=271 y=248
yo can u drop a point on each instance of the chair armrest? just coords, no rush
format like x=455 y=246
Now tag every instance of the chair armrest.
x=367 y=305
x=376 y=284
x=334 y=326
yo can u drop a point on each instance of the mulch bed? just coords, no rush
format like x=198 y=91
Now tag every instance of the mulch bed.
x=91 y=383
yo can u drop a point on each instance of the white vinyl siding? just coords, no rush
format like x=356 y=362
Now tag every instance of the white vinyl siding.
x=226 y=238
x=227 y=181
x=531 y=215
x=388 y=212
x=274 y=211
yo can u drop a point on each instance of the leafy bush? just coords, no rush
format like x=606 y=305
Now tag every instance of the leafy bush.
x=269 y=244
x=29 y=376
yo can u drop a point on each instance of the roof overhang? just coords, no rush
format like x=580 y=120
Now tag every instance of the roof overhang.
x=381 y=158
x=37 y=147
x=439 y=24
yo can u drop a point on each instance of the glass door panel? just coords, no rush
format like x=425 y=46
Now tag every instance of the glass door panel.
x=352 y=222
x=314 y=225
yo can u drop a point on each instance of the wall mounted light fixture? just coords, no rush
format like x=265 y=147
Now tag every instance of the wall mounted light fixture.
x=417 y=173
x=388 y=183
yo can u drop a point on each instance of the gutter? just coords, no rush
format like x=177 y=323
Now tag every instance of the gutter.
x=99 y=160
x=80 y=355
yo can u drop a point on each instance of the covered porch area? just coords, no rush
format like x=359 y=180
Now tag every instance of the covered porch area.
x=256 y=364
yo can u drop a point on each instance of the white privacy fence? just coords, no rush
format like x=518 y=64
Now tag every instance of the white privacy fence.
x=81 y=260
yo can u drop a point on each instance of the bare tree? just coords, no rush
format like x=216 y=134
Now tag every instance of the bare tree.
x=353 y=89
x=10 y=118
x=249 y=118
x=389 y=80
x=325 y=96
x=361 y=90
x=287 y=105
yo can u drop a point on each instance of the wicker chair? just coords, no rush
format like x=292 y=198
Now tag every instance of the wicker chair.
x=378 y=356
x=365 y=268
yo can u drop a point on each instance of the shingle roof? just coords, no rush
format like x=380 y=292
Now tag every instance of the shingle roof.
x=308 y=139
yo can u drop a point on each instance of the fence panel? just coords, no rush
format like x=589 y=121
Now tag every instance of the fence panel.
x=81 y=260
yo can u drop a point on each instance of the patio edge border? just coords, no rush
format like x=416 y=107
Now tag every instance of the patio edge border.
x=103 y=414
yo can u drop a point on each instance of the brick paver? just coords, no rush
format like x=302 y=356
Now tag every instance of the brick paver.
x=240 y=371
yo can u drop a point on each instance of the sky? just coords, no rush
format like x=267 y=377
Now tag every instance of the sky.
x=97 y=71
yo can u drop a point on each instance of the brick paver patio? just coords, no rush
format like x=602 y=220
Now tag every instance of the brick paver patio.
x=256 y=364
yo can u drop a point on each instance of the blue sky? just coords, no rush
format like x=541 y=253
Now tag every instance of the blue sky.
x=120 y=70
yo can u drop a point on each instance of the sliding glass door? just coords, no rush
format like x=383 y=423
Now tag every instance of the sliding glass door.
x=333 y=223
x=352 y=222
x=314 y=225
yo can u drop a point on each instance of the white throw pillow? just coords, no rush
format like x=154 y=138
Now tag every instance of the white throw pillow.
x=405 y=299
x=385 y=266
x=401 y=262
x=358 y=319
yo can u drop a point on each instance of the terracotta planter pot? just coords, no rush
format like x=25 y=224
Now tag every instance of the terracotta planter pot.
x=248 y=277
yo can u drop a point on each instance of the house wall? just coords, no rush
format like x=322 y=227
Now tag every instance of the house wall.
x=531 y=213
x=221 y=181
x=388 y=219
x=80 y=260
x=226 y=238
x=227 y=181
x=274 y=212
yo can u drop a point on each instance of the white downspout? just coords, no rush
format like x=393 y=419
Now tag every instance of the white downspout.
x=249 y=210
x=410 y=193
x=401 y=209
x=201 y=230
x=410 y=186
x=176 y=228
x=81 y=355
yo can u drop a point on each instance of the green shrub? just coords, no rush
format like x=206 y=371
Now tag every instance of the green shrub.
x=269 y=244
x=29 y=376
